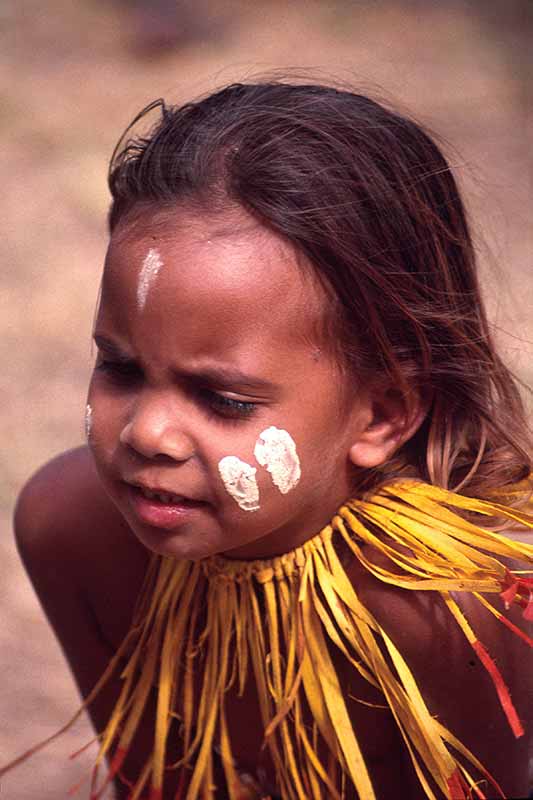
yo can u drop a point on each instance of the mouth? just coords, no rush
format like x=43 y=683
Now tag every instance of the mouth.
x=165 y=498
x=161 y=494
x=160 y=508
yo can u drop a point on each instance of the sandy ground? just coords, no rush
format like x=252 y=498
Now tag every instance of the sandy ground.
x=74 y=73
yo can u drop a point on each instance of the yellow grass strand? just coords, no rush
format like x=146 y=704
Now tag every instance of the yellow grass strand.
x=203 y=629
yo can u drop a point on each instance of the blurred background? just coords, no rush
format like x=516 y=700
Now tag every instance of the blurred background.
x=73 y=73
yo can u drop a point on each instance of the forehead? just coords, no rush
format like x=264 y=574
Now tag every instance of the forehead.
x=226 y=275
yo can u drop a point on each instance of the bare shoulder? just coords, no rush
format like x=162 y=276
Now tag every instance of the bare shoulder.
x=456 y=686
x=75 y=545
x=63 y=513
x=86 y=567
x=58 y=503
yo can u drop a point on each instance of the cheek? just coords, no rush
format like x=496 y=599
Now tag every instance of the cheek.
x=275 y=450
x=257 y=481
x=322 y=447
x=103 y=424
x=240 y=482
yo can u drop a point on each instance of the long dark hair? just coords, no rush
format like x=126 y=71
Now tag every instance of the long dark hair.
x=367 y=196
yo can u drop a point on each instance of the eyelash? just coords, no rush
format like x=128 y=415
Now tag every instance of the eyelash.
x=119 y=371
x=226 y=407
x=217 y=405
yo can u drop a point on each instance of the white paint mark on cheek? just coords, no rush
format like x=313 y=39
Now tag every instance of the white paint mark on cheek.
x=88 y=420
x=275 y=449
x=149 y=271
x=239 y=480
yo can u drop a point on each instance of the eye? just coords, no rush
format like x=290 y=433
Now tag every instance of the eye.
x=118 y=371
x=227 y=407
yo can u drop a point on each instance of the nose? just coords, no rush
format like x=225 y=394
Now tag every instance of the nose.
x=155 y=430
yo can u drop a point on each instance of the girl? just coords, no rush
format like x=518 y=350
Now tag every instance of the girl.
x=274 y=570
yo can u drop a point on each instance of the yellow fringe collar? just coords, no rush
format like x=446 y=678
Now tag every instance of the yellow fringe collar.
x=219 y=620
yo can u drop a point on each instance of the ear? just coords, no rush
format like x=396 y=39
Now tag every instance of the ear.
x=391 y=421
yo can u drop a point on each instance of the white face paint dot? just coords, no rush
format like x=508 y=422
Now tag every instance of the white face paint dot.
x=239 y=480
x=149 y=271
x=88 y=420
x=275 y=449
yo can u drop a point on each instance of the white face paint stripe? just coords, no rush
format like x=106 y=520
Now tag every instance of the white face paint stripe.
x=149 y=271
x=88 y=420
x=275 y=449
x=239 y=479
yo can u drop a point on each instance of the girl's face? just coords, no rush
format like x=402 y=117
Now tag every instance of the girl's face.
x=208 y=335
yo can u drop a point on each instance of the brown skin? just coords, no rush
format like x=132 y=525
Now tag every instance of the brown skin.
x=162 y=422
x=87 y=567
x=86 y=549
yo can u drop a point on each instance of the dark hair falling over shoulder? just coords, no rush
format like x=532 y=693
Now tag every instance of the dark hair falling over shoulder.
x=368 y=198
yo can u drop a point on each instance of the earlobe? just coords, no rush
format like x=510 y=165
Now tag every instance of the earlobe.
x=393 y=421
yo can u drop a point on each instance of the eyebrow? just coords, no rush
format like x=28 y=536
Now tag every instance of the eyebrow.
x=219 y=376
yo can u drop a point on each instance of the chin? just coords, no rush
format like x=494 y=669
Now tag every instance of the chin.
x=180 y=545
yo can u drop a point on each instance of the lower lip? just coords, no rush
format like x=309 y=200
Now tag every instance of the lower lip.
x=167 y=516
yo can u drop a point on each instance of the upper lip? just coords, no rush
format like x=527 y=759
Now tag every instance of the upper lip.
x=157 y=489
